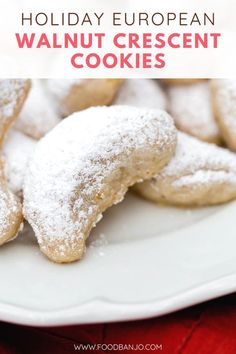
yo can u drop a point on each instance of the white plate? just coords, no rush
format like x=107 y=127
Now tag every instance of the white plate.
x=142 y=261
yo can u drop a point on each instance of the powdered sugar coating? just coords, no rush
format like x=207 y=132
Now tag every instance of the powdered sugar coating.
x=17 y=150
x=9 y=207
x=199 y=162
x=10 y=211
x=12 y=95
x=60 y=88
x=142 y=93
x=10 y=92
x=40 y=113
x=86 y=164
x=73 y=95
x=199 y=173
x=191 y=108
x=224 y=98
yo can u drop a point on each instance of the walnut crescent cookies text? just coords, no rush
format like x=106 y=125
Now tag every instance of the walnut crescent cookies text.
x=12 y=96
x=85 y=165
x=198 y=174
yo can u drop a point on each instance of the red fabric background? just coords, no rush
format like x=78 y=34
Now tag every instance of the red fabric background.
x=209 y=328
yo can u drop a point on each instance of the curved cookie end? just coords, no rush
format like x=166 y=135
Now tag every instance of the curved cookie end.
x=62 y=251
x=13 y=218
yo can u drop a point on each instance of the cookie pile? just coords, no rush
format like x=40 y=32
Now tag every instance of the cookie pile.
x=72 y=148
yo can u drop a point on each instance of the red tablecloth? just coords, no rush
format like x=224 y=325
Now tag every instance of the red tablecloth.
x=209 y=328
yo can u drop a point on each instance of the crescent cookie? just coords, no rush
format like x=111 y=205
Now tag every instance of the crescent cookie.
x=199 y=174
x=11 y=217
x=191 y=109
x=39 y=113
x=141 y=93
x=85 y=165
x=74 y=95
x=12 y=96
x=224 y=101
x=17 y=149
x=181 y=81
